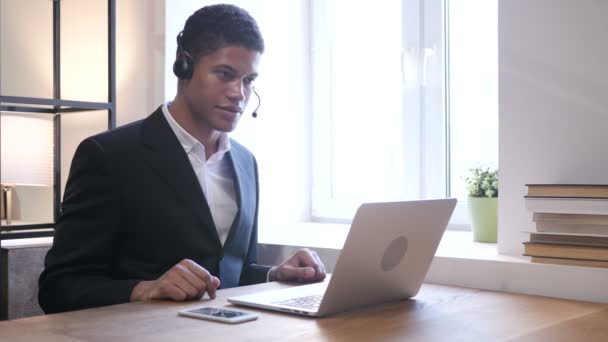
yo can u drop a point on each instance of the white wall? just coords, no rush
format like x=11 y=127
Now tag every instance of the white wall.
x=140 y=57
x=26 y=63
x=553 y=99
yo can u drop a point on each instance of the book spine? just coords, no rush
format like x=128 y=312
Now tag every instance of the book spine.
x=571 y=218
x=568 y=190
x=570 y=262
x=551 y=227
x=570 y=252
x=567 y=206
x=573 y=240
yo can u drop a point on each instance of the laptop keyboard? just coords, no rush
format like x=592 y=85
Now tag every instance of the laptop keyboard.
x=307 y=302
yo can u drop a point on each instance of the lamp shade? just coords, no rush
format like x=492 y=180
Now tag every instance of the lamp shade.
x=26 y=150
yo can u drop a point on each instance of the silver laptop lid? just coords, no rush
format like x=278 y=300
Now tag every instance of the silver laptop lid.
x=387 y=254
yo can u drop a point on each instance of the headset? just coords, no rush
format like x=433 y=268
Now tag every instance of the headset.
x=255 y=111
x=183 y=67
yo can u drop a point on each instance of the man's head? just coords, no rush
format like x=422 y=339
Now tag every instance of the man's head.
x=211 y=28
x=217 y=61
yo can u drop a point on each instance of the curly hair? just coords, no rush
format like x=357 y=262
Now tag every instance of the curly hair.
x=214 y=27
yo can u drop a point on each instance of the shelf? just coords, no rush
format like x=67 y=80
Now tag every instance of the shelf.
x=25 y=229
x=27 y=243
x=51 y=106
x=24 y=225
x=56 y=105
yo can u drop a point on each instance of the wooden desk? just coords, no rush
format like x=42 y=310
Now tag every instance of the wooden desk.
x=438 y=313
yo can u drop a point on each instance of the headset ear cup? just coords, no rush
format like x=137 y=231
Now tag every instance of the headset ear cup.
x=189 y=65
x=183 y=65
x=179 y=68
x=182 y=68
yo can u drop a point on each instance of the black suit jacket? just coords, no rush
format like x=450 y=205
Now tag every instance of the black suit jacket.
x=133 y=208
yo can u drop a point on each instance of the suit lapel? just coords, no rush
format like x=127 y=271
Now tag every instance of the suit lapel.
x=167 y=158
x=243 y=184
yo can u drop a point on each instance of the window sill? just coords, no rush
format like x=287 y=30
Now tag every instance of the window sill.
x=454 y=244
x=459 y=262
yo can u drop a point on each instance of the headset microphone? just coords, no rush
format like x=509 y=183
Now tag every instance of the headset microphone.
x=255 y=111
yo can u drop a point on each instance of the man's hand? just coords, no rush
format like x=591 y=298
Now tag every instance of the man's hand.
x=186 y=280
x=303 y=266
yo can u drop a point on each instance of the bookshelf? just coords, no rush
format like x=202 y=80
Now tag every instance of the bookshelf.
x=57 y=106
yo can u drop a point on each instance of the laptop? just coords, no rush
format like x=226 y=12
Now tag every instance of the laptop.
x=385 y=258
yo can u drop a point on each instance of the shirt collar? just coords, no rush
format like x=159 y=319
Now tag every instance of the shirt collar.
x=189 y=142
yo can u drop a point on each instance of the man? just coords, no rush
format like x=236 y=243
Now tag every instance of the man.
x=167 y=207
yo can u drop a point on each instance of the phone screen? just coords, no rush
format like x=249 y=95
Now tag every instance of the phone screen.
x=218 y=312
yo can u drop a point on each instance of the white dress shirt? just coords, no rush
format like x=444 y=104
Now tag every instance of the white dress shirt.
x=215 y=175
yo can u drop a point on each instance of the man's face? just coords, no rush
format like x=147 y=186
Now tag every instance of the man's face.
x=220 y=87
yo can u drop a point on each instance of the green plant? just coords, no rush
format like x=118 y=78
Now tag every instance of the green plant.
x=482 y=182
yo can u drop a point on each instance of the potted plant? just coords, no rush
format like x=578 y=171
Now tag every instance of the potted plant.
x=482 y=186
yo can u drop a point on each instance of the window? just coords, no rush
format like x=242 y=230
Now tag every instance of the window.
x=395 y=115
x=358 y=119
x=472 y=93
x=473 y=88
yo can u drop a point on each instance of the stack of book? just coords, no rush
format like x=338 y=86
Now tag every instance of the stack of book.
x=571 y=224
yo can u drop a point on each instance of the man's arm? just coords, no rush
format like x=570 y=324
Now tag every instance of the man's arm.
x=78 y=270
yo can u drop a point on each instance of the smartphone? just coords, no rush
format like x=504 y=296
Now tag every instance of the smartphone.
x=219 y=315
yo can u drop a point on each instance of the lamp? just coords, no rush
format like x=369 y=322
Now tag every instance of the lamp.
x=26 y=151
